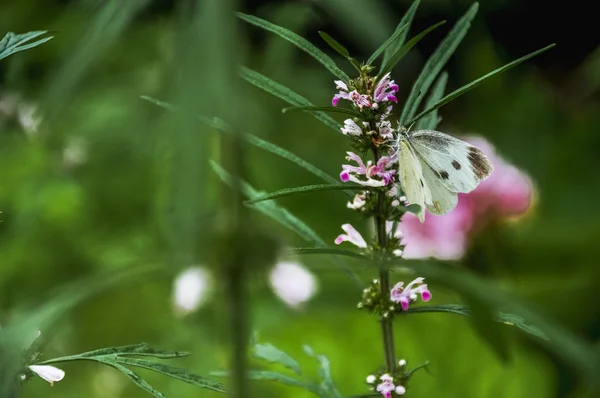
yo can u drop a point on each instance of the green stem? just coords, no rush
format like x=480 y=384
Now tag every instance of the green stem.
x=387 y=327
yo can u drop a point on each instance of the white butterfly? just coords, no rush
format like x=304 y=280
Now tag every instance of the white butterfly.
x=435 y=166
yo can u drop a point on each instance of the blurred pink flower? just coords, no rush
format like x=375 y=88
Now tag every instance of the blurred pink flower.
x=506 y=193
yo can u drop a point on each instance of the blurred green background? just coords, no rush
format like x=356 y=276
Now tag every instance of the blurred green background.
x=106 y=181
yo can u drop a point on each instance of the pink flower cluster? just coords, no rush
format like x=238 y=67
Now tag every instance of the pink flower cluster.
x=387 y=386
x=385 y=91
x=404 y=295
x=506 y=193
x=378 y=175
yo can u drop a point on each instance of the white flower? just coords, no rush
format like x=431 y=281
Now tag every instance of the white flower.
x=352 y=236
x=400 y=390
x=402 y=362
x=351 y=128
x=292 y=283
x=358 y=202
x=371 y=379
x=190 y=289
x=48 y=373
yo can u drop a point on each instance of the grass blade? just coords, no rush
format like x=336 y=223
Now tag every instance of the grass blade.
x=393 y=38
x=305 y=189
x=285 y=94
x=334 y=44
x=299 y=42
x=457 y=93
x=333 y=109
x=277 y=377
x=406 y=20
x=398 y=55
x=320 y=250
x=137 y=380
x=269 y=353
x=431 y=121
x=436 y=63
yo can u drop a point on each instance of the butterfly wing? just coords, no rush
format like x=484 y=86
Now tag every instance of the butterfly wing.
x=440 y=200
x=411 y=177
x=458 y=165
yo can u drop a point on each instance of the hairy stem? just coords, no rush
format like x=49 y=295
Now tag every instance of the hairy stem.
x=387 y=327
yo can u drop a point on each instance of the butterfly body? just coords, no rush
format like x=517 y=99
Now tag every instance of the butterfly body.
x=435 y=167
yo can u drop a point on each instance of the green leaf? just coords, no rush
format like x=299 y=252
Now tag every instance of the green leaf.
x=457 y=93
x=298 y=41
x=333 y=109
x=13 y=43
x=282 y=216
x=405 y=21
x=277 y=377
x=320 y=250
x=431 y=121
x=221 y=126
x=503 y=317
x=398 y=55
x=137 y=380
x=174 y=372
x=482 y=321
x=333 y=43
x=285 y=94
x=324 y=371
x=270 y=353
x=436 y=63
x=306 y=189
x=392 y=39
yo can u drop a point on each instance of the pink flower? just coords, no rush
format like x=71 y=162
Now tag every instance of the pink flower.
x=506 y=193
x=404 y=295
x=370 y=175
x=360 y=199
x=386 y=386
x=342 y=94
x=360 y=100
x=352 y=236
x=386 y=90
x=351 y=128
x=385 y=129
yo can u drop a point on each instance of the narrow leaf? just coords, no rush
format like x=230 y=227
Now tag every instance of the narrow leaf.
x=394 y=38
x=137 y=380
x=431 y=121
x=457 y=93
x=174 y=372
x=298 y=41
x=270 y=353
x=333 y=43
x=406 y=20
x=221 y=126
x=285 y=94
x=305 y=189
x=277 y=377
x=333 y=109
x=436 y=63
x=398 y=55
x=320 y=250
x=13 y=43
x=282 y=216
x=324 y=371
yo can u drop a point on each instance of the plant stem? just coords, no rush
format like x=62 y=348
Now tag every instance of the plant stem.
x=387 y=327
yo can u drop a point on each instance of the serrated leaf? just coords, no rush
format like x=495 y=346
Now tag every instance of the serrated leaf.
x=406 y=20
x=333 y=109
x=137 y=380
x=221 y=126
x=320 y=250
x=12 y=43
x=282 y=216
x=392 y=39
x=431 y=121
x=457 y=93
x=285 y=94
x=298 y=41
x=270 y=353
x=324 y=371
x=436 y=63
x=277 y=377
x=334 y=44
x=305 y=189
x=398 y=55
x=174 y=372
